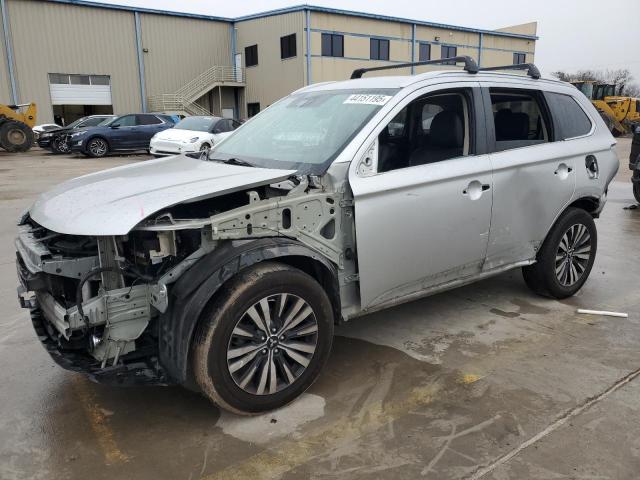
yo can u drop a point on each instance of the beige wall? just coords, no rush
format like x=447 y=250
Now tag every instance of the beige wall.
x=180 y=49
x=5 y=89
x=358 y=31
x=57 y=38
x=272 y=78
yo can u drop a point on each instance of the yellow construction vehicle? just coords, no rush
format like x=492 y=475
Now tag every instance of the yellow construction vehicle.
x=620 y=113
x=16 y=122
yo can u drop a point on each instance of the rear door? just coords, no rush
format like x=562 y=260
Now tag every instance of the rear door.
x=148 y=126
x=534 y=173
x=423 y=213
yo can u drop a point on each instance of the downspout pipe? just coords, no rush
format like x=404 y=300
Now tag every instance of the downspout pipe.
x=143 y=88
x=308 y=52
x=480 y=49
x=413 y=48
x=8 y=47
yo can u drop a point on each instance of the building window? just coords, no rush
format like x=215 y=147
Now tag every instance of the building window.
x=288 y=46
x=449 y=52
x=519 y=58
x=379 y=49
x=251 y=56
x=424 y=52
x=253 y=109
x=332 y=45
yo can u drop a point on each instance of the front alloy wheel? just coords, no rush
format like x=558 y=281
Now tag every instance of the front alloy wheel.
x=97 y=147
x=264 y=338
x=272 y=344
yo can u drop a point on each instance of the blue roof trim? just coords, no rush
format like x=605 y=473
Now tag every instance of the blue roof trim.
x=127 y=8
x=293 y=9
x=375 y=16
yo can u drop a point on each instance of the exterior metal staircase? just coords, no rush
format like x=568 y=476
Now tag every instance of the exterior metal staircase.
x=184 y=99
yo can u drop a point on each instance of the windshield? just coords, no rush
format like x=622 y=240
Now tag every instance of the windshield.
x=76 y=123
x=304 y=132
x=197 y=124
x=105 y=121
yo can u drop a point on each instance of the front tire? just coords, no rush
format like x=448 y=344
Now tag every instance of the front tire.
x=97 y=147
x=263 y=340
x=566 y=257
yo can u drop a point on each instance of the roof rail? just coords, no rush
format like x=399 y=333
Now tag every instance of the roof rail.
x=470 y=65
x=531 y=69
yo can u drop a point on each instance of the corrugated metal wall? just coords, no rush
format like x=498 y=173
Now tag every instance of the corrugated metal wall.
x=272 y=78
x=57 y=38
x=5 y=89
x=180 y=49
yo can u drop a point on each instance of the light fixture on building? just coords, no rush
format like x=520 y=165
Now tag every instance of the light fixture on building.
x=437 y=38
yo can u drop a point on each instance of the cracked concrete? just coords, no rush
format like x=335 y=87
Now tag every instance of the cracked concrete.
x=487 y=381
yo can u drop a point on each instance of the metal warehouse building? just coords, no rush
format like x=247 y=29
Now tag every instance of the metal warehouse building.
x=75 y=57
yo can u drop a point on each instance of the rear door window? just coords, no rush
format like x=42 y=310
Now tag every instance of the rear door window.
x=519 y=118
x=568 y=116
x=148 y=120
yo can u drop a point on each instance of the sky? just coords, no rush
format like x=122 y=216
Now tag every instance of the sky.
x=574 y=34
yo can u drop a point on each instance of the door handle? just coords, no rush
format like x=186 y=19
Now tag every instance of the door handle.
x=475 y=188
x=563 y=170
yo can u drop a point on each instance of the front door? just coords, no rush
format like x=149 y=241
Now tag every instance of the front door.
x=423 y=214
x=122 y=133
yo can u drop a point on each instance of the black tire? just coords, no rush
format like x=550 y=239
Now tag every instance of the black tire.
x=97 y=147
x=562 y=268
x=636 y=190
x=216 y=335
x=16 y=136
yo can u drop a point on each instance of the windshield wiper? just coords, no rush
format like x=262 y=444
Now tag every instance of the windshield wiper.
x=234 y=161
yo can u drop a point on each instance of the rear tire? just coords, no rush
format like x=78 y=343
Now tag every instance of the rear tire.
x=248 y=364
x=16 y=136
x=97 y=147
x=636 y=190
x=566 y=257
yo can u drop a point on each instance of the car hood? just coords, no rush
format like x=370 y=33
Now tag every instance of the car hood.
x=114 y=201
x=178 y=135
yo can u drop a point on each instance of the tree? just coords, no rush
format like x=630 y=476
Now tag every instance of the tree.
x=622 y=78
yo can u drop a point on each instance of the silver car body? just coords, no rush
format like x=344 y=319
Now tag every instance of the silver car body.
x=394 y=236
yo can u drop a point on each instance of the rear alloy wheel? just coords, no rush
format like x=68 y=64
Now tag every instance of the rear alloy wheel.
x=16 y=136
x=566 y=257
x=264 y=339
x=97 y=147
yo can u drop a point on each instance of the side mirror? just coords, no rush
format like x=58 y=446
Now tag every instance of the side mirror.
x=114 y=125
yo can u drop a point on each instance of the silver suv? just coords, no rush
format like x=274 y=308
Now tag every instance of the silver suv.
x=226 y=273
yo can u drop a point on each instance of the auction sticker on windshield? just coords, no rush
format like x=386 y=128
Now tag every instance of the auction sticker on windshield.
x=367 y=99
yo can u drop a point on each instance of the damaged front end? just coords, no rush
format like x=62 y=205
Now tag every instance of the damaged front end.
x=101 y=304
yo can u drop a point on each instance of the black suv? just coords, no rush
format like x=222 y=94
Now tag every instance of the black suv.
x=634 y=163
x=51 y=139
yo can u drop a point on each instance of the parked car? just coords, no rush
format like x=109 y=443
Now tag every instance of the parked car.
x=634 y=163
x=227 y=273
x=125 y=133
x=45 y=127
x=192 y=134
x=55 y=139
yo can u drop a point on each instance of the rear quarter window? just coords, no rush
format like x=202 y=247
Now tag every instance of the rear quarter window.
x=570 y=119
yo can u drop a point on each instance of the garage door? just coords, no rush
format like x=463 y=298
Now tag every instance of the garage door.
x=69 y=89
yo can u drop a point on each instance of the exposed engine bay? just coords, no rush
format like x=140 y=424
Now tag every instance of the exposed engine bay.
x=104 y=295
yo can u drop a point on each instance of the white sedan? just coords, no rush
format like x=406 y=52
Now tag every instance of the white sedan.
x=192 y=134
